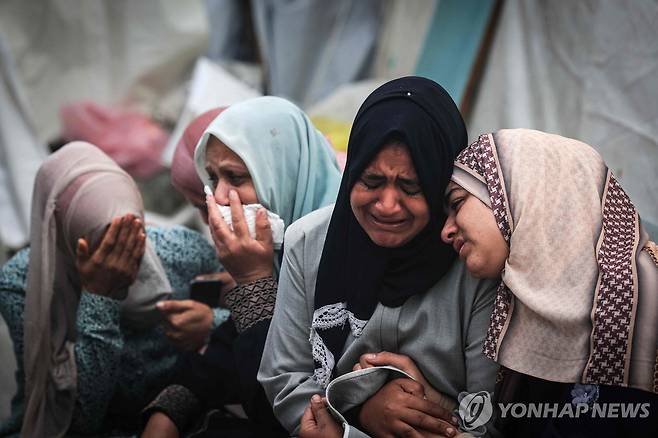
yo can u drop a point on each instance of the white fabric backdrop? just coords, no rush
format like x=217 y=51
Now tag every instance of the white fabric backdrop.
x=57 y=51
x=21 y=155
x=108 y=51
x=310 y=47
x=587 y=70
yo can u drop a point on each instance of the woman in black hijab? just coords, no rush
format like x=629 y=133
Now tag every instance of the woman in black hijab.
x=365 y=275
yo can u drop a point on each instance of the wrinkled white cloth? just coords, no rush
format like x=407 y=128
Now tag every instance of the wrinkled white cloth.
x=584 y=70
x=276 y=223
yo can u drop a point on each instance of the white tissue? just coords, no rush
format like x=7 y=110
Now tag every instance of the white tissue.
x=276 y=223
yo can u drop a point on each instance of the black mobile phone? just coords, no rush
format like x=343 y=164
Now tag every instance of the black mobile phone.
x=206 y=291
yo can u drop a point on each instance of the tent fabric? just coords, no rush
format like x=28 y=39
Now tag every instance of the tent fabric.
x=310 y=47
x=21 y=154
x=398 y=48
x=230 y=37
x=132 y=53
x=57 y=51
x=453 y=42
x=586 y=70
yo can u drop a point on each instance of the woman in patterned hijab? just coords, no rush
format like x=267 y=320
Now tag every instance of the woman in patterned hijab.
x=578 y=301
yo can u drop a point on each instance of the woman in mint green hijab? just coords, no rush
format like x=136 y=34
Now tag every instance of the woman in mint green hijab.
x=261 y=151
x=291 y=163
x=268 y=152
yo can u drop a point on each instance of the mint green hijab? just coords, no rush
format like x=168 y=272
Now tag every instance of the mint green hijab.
x=292 y=165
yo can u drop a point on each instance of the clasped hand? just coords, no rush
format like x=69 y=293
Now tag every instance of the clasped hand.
x=405 y=407
x=402 y=407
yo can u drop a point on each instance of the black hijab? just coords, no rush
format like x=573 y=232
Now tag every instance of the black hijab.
x=353 y=270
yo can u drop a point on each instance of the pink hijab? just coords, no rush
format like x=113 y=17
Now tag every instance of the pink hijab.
x=183 y=173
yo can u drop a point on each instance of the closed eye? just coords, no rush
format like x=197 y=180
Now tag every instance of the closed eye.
x=456 y=203
x=213 y=178
x=410 y=187
x=372 y=181
x=236 y=179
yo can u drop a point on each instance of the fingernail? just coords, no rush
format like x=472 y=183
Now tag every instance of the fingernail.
x=159 y=305
x=207 y=190
x=233 y=194
x=316 y=398
x=455 y=421
x=450 y=431
x=372 y=356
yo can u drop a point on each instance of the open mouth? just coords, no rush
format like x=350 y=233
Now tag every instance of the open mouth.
x=388 y=224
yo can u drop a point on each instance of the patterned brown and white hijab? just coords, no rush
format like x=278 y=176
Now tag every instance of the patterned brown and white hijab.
x=578 y=301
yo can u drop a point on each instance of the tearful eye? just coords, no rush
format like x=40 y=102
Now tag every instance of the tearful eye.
x=236 y=180
x=213 y=180
x=410 y=189
x=455 y=204
x=372 y=181
x=370 y=184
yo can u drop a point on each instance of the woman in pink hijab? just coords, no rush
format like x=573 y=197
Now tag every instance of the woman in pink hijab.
x=183 y=173
x=189 y=317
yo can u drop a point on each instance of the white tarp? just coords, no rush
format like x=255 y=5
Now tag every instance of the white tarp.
x=587 y=70
x=57 y=51
x=404 y=30
x=20 y=155
x=310 y=47
x=130 y=52
x=211 y=86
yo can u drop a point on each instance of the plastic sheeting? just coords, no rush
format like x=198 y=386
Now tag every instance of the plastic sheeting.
x=403 y=37
x=587 y=70
x=231 y=36
x=56 y=51
x=453 y=42
x=20 y=155
x=309 y=47
x=128 y=52
x=334 y=114
x=211 y=86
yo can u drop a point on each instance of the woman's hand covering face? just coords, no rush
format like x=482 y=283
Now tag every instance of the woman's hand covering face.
x=113 y=266
x=245 y=258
